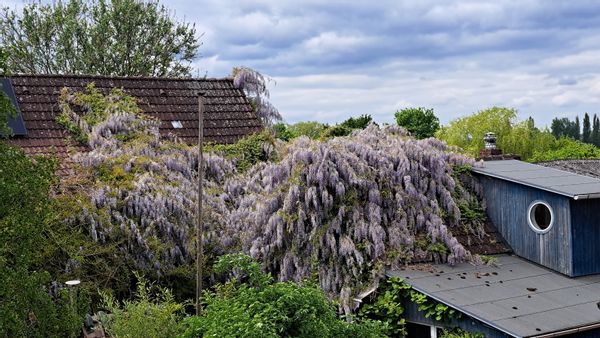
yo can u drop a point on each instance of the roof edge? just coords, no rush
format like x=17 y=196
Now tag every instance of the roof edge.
x=527 y=184
x=90 y=76
x=468 y=313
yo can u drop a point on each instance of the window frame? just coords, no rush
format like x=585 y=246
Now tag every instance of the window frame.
x=531 y=218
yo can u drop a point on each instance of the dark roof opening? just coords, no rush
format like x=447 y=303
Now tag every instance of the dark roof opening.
x=16 y=124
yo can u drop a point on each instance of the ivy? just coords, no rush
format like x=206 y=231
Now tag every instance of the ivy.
x=387 y=306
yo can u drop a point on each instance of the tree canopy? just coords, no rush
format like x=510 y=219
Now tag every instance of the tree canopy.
x=420 y=122
x=107 y=37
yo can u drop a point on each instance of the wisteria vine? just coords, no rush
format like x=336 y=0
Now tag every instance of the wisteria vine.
x=342 y=209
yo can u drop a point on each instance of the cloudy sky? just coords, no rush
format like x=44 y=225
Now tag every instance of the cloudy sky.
x=334 y=59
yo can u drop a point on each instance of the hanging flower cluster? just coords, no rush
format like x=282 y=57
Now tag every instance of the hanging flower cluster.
x=343 y=209
x=254 y=85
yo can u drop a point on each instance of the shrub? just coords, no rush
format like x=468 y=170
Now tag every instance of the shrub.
x=32 y=303
x=267 y=309
x=567 y=149
x=153 y=313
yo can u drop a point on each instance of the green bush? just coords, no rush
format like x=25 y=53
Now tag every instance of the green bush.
x=267 y=309
x=567 y=148
x=153 y=313
x=247 y=151
x=28 y=307
x=311 y=129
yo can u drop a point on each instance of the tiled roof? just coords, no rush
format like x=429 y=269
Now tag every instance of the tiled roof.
x=582 y=167
x=513 y=295
x=228 y=117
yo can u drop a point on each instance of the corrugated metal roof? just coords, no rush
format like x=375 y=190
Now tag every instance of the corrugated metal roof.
x=554 y=180
x=516 y=296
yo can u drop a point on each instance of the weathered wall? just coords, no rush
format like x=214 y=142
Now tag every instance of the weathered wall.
x=507 y=206
x=585 y=222
x=412 y=314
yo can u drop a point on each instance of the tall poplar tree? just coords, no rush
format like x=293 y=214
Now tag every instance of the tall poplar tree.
x=596 y=131
x=107 y=37
x=587 y=129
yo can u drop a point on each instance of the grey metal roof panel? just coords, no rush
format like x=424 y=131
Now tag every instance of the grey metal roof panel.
x=515 y=296
x=549 y=179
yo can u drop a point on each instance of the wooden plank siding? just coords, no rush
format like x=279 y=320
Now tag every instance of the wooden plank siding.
x=413 y=315
x=507 y=206
x=585 y=222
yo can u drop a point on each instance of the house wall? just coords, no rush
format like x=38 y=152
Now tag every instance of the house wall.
x=412 y=314
x=507 y=207
x=585 y=222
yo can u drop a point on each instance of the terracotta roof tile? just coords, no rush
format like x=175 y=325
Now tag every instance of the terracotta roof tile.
x=228 y=117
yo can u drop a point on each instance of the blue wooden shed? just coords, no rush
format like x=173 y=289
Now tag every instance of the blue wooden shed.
x=546 y=215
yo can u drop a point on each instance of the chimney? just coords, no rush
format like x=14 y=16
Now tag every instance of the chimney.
x=491 y=152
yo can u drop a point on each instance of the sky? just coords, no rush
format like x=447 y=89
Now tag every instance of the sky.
x=330 y=60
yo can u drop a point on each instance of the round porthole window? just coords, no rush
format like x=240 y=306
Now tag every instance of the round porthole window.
x=540 y=216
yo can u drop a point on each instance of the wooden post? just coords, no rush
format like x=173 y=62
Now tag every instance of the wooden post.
x=199 y=223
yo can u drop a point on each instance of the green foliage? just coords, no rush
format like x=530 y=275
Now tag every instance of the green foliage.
x=153 y=313
x=282 y=309
x=567 y=148
x=420 y=122
x=116 y=37
x=488 y=260
x=282 y=132
x=596 y=131
x=459 y=333
x=467 y=132
x=312 y=129
x=247 y=151
x=243 y=269
x=316 y=130
x=360 y=122
x=521 y=138
x=563 y=127
x=387 y=307
x=27 y=309
x=586 y=135
x=433 y=309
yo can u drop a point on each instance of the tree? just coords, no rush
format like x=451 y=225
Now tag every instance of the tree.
x=564 y=127
x=29 y=307
x=420 y=122
x=576 y=134
x=346 y=127
x=467 y=132
x=586 y=136
x=360 y=122
x=107 y=37
x=312 y=129
x=596 y=131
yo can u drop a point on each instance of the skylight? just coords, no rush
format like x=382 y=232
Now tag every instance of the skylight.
x=16 y=124
x=177 y=124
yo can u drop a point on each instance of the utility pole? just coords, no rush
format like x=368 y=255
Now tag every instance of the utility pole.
x=199 y=223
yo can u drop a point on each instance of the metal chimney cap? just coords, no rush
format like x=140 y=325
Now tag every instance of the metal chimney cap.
x=490 y=140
